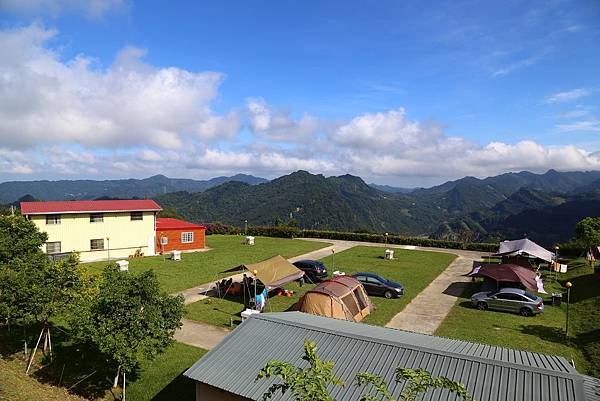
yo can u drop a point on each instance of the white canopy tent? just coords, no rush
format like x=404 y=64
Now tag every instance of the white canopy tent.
x=524 y=247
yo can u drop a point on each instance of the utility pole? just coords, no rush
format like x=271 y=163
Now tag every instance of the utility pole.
x=568 y=285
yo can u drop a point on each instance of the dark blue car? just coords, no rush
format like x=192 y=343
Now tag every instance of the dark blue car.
x=377 y=285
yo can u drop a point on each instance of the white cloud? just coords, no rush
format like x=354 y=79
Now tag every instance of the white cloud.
x=131 y=103
x=387 y=145
x=94 y=9
x=387 y=130
x=279 y=125
x=567 y=96
x=515 y=66
x=581 y=126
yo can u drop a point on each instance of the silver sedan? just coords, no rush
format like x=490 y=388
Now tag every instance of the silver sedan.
x=509 y=300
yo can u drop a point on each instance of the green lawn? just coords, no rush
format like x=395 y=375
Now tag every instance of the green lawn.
x=542 y=333
x=413 y=269
x=227 y=251
x=163 y=380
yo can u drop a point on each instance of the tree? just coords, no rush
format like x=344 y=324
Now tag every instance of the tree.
x=419 y=381
x=170 y=212
x=19 y=239
x=22 y=268
x=587 y=232
x=129 y=318
x=61 y=286
x=308 y=384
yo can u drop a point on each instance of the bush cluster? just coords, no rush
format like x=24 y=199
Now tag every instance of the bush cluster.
x=400 y=240
x=295 y=232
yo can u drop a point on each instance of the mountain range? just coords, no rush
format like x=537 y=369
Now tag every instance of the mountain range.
x=131 y=188
x=544 y=207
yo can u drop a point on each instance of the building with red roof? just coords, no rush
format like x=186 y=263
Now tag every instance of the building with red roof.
x=96 y=229
x=179 y=235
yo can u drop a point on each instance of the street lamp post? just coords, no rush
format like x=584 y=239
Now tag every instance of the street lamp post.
x=568 y=285
x=108 y=248
x=556 y=266
x=386 y=239
x=245 y=227
x=332 y=260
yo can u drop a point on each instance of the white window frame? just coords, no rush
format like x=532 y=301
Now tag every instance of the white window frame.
x=97 y=249
x=53 y=243
x=187 y=237
x=164 y=240
x=96 y=217
x=52 y=219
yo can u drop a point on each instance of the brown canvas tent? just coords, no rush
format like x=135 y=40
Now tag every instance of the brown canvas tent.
x=340 y=298
x=512 y=274
x=272 y=272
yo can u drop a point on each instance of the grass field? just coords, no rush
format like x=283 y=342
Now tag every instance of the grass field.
x=413 y=269
x=226 y=252
x=163 y=380
x=542 y=333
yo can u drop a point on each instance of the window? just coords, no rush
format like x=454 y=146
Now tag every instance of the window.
x=362 y=302
x=97 y=244
x=52 y=247
x=362 y=279
x=53 y=219
x=350 y=303
x=373 y=280
x=164 y=240
x=187 y=237
x=96 y=217
x=137 y=216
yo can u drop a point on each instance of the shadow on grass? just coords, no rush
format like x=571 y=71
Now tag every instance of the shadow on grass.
x=550 y=334
x=77 y=368
x=181 y=388
x=584 y=287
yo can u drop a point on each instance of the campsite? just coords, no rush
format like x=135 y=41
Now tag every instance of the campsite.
x=232 y=277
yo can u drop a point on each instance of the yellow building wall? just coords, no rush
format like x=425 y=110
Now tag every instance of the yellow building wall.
x=125 y=236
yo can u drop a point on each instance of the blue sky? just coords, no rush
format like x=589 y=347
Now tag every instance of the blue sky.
x=403 y=93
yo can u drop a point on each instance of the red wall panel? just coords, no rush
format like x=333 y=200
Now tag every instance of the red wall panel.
x=174 y=240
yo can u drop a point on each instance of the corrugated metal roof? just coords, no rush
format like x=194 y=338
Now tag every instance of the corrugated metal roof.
x=88 y=206
x=165 y=223
x=489 y=373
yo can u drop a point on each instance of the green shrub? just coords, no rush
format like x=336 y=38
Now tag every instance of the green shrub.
x=400 y=240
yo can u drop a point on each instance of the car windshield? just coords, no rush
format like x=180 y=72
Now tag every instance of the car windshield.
x=530 y=296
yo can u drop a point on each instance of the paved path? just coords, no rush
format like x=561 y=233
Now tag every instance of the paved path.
x=200 y=334
x=427 y=311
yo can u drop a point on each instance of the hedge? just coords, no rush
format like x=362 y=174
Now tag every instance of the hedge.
x=295 y=232
x=400 y=240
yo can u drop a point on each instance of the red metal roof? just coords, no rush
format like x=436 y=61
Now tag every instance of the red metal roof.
x=88 y=206
x=164 y=223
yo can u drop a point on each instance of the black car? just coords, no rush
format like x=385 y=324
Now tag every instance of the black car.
x=377 y=285
x=314 y=270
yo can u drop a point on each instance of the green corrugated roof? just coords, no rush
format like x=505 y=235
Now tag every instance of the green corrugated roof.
x=490 y=373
